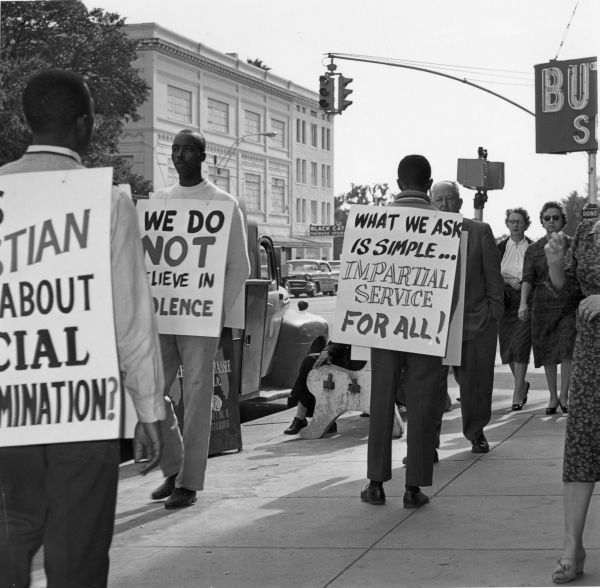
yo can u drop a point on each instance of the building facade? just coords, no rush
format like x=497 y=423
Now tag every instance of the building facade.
x=267 y=141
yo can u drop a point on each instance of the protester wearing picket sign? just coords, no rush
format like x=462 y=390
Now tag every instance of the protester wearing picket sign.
x=63 y=495
x=483 y=308
x=184 y=461
x=421 y=377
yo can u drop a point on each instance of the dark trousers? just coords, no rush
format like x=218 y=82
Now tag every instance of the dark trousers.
x=476 y=380
x=420 y=376
x=62 y=496
x=300 y=391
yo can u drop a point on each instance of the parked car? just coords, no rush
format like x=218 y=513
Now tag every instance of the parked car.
x=335 y=264
x=310 y=276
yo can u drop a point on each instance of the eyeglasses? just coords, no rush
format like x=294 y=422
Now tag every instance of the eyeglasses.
x=553 y=217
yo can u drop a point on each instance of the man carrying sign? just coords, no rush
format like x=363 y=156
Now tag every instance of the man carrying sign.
x=184 y=464
x=484 y=305
x=63 y=495
x=420 y=375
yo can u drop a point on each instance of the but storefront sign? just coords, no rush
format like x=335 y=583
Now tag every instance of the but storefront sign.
x=566 y=106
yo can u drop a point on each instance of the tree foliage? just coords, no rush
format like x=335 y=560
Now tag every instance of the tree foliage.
x=258 y=63
x=370 y=194
x=574 y=204
x=63 y=34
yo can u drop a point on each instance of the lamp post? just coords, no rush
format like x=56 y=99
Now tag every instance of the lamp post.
x=231 y=150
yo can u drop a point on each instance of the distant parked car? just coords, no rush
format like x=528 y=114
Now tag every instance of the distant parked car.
x=334 y=264
x=310 y=276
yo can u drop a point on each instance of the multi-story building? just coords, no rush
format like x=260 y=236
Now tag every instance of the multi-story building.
x=267 y=141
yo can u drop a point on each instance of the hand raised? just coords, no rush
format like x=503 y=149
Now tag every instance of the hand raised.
x=555 y=248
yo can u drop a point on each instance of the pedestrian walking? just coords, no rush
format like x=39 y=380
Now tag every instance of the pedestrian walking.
x=184 y=460
x=515 y=334
x=63 y=495
x=552 y=316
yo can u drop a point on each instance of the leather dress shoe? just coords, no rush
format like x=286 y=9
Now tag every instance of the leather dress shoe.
x=296 y=426
x=181 y=498
x=414 y=499
x=480 y=445
x=373 y=494
x=436 y=458
x=165 y=489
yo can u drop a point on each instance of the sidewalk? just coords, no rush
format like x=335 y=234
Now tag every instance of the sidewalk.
x=286 y=511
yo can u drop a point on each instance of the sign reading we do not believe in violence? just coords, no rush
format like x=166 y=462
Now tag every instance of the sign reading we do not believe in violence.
x=59 y=374
x=185 y=248
x=397 y=278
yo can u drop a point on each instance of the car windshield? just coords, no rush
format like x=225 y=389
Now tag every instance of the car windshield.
x=335 y=265
x=302 y=266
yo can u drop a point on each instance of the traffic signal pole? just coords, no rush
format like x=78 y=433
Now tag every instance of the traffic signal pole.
x=592 y=176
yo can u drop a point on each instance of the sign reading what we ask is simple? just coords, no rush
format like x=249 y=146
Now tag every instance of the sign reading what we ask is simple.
x=396 y=278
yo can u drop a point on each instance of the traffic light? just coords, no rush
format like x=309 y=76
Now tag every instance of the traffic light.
x=342 y=93
x=327 y=93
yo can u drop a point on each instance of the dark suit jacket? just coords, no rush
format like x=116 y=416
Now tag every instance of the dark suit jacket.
x=484 y=286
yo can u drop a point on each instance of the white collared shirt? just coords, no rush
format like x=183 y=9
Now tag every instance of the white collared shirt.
x=511 y=265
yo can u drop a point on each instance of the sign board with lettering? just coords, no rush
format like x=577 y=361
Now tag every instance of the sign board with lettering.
x=397 y=278
x=566 y=106
x=185 y=248
x=326 y=230
x=59 y=373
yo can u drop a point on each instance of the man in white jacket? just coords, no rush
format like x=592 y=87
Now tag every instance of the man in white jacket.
x=184 y=465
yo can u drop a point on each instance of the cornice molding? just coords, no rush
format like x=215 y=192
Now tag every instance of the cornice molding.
x=160 y=46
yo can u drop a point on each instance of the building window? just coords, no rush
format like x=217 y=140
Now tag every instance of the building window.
x=323 y=214
x=323 y=138
x=304 y=132
x=314 y=180
x=304 y=171
x=279 y=127
x=313 y=212
x=323 y=175
x=303 y=210
x=298 y=210
x=328 y=139
x=277 y=195
x=179 y=104
x=329 y=176
x=253 y=125
x=298 y=131
x=220 y=178
x=252 y=191
x=218 y=116
x=328 y=213
x=314 y=133
x=301 y=171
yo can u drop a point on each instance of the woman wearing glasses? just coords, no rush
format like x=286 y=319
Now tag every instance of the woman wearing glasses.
x=552 y=316
x=514 y=334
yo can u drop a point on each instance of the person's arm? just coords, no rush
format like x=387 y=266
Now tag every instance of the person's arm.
x=523 y=306
x=555 y=254
x=237 y=269
x=494 y=283
x=135 y=323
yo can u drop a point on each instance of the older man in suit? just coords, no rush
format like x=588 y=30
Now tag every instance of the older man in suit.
x=483 y=308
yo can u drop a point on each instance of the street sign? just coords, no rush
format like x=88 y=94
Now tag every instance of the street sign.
x=566 y=106
x=326 y=230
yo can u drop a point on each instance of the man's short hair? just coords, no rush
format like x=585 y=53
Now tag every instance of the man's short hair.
x=198 y=137
x=53 y=99
x=414 y=170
